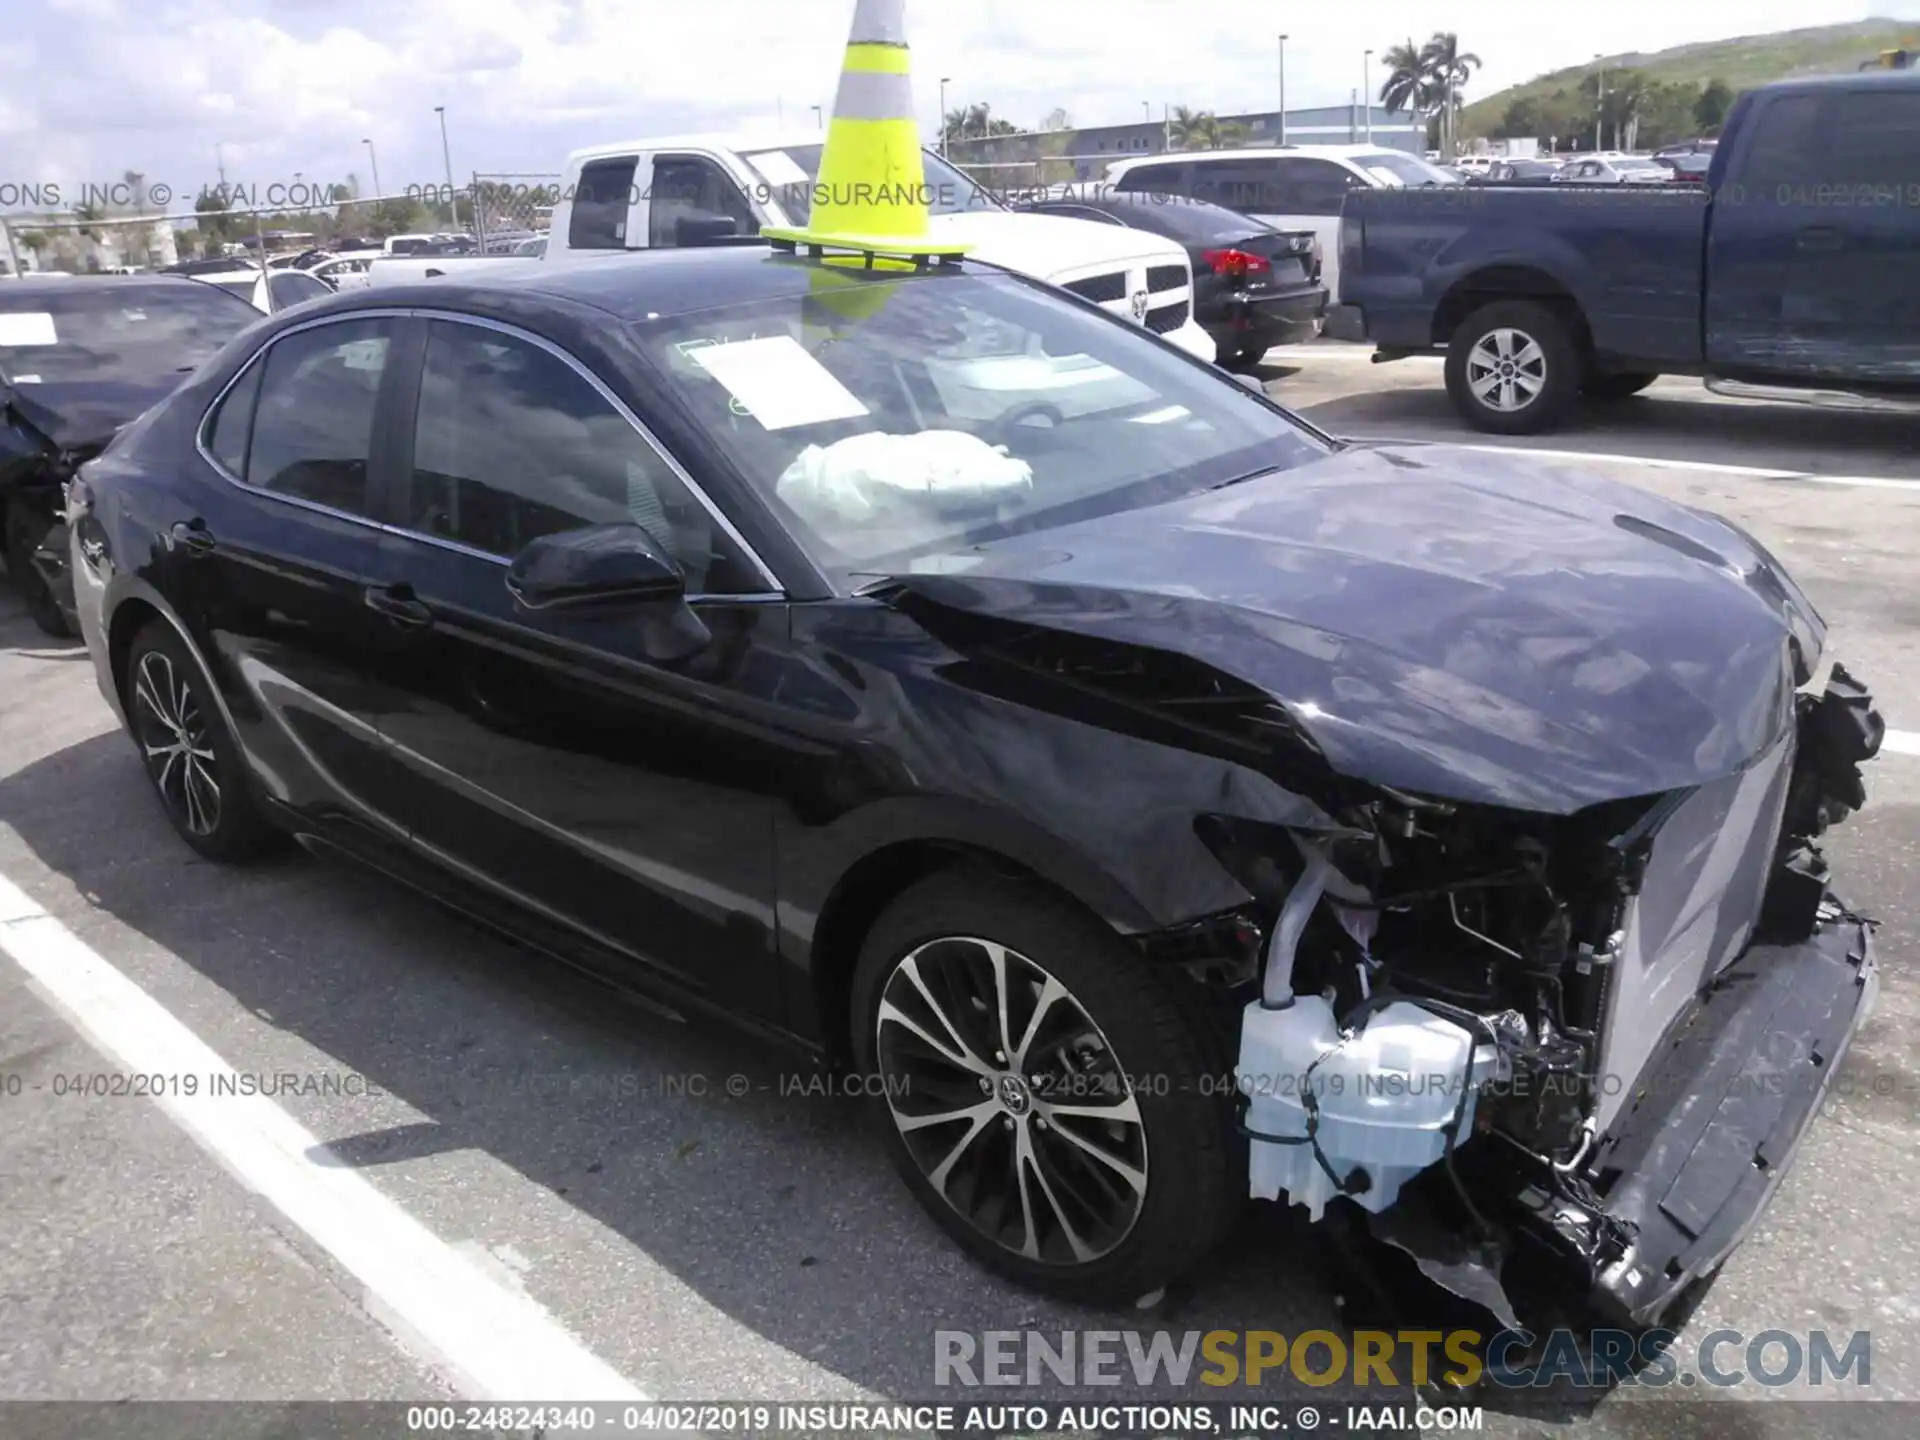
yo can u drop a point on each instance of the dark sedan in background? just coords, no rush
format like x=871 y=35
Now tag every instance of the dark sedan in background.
x=80 y=356
x=1254 y=287
x=960 y=683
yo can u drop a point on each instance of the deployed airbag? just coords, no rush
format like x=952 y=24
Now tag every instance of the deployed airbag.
x=867 y=476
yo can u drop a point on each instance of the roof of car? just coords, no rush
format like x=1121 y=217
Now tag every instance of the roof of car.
x=1265 y=152
x=645 y=285
x=725 y=140
x=67 y=284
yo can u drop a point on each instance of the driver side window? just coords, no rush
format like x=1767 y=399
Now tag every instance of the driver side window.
x=511 y=442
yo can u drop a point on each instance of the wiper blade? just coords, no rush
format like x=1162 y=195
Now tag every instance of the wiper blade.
x=1250 y=475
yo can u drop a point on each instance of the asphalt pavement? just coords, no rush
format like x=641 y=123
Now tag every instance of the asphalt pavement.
x=673 y=1203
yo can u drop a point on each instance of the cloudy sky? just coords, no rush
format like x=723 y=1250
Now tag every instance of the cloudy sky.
x=92 y=88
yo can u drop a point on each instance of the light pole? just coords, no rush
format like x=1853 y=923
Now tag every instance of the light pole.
x=375 y=163
x=446 y=158
x=1283 y=89
x=945 y=80
x=818 y=122
x=1366 y=90
x=1599 y=104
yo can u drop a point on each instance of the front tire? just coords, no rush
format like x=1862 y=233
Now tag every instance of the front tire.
x=26 y=526
x=192 y=760
x=1055 y=1105
x=1513 y=368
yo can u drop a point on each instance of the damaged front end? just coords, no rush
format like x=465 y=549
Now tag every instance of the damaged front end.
x=34 y=471
x=1579 y=1049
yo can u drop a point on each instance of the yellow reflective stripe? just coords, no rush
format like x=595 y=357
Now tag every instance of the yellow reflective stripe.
x=876 y=59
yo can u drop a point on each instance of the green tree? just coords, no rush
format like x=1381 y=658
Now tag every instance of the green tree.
x=976 y=122
x=1189 y=129
x=1448 y=69
x=1524 y=117
x=1710 y=110
x=1407 y=86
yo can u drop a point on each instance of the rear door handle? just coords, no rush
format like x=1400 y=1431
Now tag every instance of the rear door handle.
x=398 y=604
x=1822 y=239
x=193 y=537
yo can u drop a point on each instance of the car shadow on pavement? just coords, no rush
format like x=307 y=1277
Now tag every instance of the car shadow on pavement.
x=1657 y=426
x=702 y=1148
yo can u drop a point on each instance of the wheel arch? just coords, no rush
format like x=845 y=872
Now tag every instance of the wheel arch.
x=1510 y=281
x=135 y=606
x=892 y=865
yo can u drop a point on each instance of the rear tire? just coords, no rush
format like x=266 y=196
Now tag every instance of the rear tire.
x=192 y=760
x=1513 y=368
x=1100 y=1207
x=1620 y=386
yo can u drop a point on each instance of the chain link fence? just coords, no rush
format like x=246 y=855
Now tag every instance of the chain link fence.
x=512 y=208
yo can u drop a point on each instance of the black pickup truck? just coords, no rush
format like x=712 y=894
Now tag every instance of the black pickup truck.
x=1792 y=274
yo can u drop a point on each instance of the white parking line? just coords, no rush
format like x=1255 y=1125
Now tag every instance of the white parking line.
x=1901 y=742
x=490 y=1343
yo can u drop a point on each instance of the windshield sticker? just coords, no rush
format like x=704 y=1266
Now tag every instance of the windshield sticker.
x=778 y=382
x=778 y=169
x=32 y=327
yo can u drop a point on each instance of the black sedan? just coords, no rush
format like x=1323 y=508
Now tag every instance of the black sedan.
x=80 y=356
x=963 y=685
x=1254 y=287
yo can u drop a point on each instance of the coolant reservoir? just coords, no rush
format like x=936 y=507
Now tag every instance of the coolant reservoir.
x=1384 y=1098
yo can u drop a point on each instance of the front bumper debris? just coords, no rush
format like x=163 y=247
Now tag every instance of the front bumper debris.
x=1722 y=1108
x=1687 y=1169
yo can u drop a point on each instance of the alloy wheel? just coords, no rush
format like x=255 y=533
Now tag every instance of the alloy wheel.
x=1506 y=370
x=177 y=743
x=1011 y=1101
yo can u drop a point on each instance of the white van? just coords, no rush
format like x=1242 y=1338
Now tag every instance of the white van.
x=1289 y=187
x=706 y=189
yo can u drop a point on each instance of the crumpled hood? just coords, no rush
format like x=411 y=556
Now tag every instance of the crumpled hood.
x=1442 y=621
x=84 y=414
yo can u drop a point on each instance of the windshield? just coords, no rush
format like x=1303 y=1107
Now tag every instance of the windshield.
x=101 y=333
x=1398 y=169
x=792 y=170
x=890 y=422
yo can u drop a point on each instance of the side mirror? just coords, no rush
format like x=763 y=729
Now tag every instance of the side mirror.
x=595 y=568
x=694 y=230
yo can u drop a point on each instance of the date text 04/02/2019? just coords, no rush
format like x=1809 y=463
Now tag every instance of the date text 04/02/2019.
x=814 y=1418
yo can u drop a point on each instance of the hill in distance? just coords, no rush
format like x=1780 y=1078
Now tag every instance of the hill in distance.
x=1742 y=62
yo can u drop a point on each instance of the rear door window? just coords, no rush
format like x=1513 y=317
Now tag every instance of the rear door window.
x=1315 y=187
x=1785 y=153
x=601 y=201
x=313 y=426
x=1165 y=178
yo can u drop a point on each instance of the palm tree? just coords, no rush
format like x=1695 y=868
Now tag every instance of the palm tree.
x=1201 y=130
x=1407 y=86
x=1448 y=71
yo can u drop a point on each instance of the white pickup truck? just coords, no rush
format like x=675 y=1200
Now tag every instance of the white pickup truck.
x=702 y=189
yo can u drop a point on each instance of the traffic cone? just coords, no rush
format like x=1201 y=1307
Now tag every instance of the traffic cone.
x=870 y=196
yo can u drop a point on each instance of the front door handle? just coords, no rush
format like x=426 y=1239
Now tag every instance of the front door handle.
x=193 y=537
x=1822 y=239
x=398 y=604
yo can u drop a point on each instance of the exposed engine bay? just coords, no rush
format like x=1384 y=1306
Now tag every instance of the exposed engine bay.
x=1490 y=995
